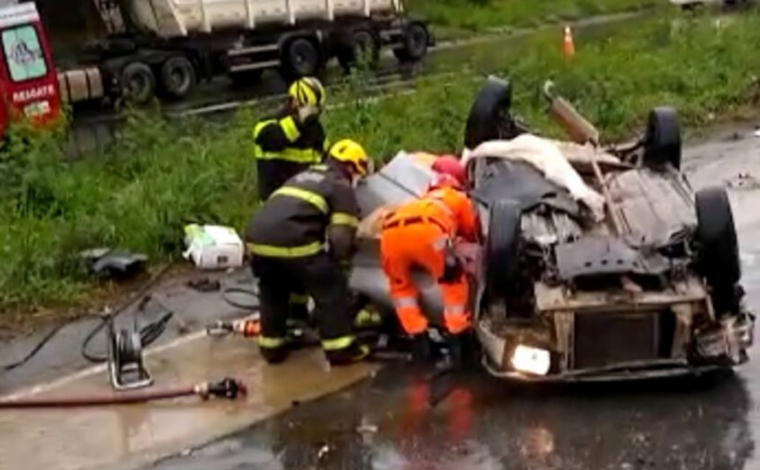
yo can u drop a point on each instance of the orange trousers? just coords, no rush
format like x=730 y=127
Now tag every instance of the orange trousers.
x=421 y=244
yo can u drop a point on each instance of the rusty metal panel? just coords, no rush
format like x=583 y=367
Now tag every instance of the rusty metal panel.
x=653 y=207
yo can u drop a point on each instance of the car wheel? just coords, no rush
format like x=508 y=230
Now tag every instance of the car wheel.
x=302 y=58
x=361 y=44
x=414 y=43
x=662 y=144
x=489 y=112
x=138 y=83
x=718 y=247
x=178 y=77
x=502 y=246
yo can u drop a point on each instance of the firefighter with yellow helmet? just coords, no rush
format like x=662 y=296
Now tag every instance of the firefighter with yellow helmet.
x=293 y=139
x=305 y=234
x=287 y=144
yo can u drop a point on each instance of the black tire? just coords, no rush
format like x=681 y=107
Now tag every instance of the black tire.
x=502 y=246
x=178 y=77
x=718 y=247
x=488 y=113
x=301 y=58
x=414 y=44
x=246 y=79
x=138 y=83
x=363 y=43
x=662 y=144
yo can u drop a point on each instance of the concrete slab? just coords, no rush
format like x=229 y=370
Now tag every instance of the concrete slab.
x=124 y=437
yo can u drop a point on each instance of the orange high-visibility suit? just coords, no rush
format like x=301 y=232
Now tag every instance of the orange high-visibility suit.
x=420 y=233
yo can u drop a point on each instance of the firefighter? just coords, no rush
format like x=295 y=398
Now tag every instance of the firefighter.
x=287 y=144
x=286 y=239
x=422 y=233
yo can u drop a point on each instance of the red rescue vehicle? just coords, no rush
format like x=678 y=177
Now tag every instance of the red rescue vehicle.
x=28 y=77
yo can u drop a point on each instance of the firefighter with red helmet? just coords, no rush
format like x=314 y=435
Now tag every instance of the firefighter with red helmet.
x=422 y=233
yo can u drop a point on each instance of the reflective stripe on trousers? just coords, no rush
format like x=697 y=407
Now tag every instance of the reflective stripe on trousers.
x=337 y=344
x=271 y=342
x=285 y=252
x=410 y=315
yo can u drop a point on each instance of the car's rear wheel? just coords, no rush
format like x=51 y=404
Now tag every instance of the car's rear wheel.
x=718 y=247
x=662 y=144
x=489 y=114
x=502 y=247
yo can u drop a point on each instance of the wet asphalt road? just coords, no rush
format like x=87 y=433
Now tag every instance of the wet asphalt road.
x=400 y=419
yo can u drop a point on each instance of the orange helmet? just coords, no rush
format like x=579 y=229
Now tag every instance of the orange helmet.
x=444 y=180
x=449 y=165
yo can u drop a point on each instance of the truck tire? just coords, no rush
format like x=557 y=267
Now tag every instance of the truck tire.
x=662 y=142
x=488 y=113
x=301 y=58
x=362 y=42
x=502 y=246
x=414 y=43
x=178 y=77
x=138 y=83
x=718 y=246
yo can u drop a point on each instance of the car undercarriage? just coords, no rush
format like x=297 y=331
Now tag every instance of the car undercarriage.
x=598 y=263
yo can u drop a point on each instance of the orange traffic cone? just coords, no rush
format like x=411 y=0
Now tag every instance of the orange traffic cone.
x=568 y=46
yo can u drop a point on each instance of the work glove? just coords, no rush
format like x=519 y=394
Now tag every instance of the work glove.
x=307 y=114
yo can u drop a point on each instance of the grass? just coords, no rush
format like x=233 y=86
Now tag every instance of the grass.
x=158 y=176
x=453 y=18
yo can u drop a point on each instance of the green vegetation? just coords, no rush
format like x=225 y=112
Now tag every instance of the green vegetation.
x=455 y=17
x=159 y=176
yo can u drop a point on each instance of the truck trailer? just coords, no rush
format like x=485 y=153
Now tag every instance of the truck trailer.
x=166 y=47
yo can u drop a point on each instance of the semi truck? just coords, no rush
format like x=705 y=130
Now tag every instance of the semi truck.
x=165 y=48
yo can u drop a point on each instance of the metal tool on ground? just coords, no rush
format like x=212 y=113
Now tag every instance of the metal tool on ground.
x=228 y=388
x=248 y=327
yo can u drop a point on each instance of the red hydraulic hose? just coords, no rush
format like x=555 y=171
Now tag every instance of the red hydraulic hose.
x=227 y=388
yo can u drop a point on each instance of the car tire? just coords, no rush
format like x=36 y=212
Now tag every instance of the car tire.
x=662 y=144
x=414 y=45
x=301 y=58
x=138 y=83
x=502 y=246
x=488 y=112
x=178 y=77
x=718 y=247
x=360 y=41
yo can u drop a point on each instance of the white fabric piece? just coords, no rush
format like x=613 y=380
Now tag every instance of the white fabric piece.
x=545 y=157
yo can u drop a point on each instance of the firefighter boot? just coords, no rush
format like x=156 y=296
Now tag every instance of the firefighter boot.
x=356 y=352
x=274 y=355
x=422 y=350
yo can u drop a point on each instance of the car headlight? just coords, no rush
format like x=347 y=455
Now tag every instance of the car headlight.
x=531 y=360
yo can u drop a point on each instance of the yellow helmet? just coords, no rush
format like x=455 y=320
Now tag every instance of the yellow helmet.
x=307 y=91
x=351 y=154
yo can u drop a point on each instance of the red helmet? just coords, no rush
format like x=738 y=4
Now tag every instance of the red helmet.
x=449 y=165
x=444 y=180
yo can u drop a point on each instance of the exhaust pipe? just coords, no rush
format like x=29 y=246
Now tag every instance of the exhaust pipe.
x=577 y=127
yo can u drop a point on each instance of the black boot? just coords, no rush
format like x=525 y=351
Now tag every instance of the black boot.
x=355 y=353
x=274 y=355
x=422 y=350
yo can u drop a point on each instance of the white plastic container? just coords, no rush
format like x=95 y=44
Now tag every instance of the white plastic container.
x=213 y=247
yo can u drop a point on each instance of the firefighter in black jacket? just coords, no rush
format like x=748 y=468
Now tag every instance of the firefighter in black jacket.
x=305 y=233
x=288 y=144
x=291 y=141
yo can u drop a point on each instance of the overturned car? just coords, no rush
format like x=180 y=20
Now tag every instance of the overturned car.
x=598 y=264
